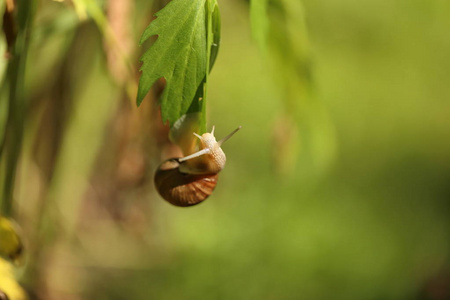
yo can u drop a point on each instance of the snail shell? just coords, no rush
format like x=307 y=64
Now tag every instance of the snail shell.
x=189 y=180
x=182 y=189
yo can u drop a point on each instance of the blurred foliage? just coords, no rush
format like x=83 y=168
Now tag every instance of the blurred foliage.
x=8 y=285
x=350 y=97
x=10 y=242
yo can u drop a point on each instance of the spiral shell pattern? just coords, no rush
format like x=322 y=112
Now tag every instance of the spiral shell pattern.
x=181 y=189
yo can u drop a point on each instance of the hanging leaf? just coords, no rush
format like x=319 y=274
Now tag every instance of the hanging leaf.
x=279 y=28
x=181 y=55
x=213 y=32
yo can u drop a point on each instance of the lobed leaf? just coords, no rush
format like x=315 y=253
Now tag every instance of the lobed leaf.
x=179 y=55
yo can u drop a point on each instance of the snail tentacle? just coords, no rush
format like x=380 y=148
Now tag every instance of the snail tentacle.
x=196 y=154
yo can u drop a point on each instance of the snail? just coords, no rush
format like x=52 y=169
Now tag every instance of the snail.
x=189 y=180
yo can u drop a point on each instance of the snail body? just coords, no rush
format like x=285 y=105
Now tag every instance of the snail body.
x=189 y=180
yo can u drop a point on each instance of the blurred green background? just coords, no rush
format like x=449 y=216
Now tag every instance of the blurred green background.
x=344 y=196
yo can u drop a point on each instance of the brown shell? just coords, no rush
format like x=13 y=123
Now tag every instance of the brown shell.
x=182 y=189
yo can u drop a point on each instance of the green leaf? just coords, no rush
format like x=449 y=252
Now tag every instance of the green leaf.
x=179 y=55
x=215 y=33
x=279 y=26
x=187 y=44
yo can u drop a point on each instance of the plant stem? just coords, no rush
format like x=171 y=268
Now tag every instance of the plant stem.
x=16 y=113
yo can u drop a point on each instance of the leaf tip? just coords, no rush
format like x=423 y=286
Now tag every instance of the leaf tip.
x=140 y=96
